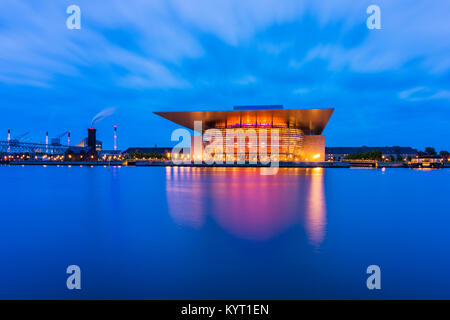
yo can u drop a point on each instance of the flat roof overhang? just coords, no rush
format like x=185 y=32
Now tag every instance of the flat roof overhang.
x=311 y=121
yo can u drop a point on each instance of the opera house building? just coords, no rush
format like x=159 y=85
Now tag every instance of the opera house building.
x=298 y=131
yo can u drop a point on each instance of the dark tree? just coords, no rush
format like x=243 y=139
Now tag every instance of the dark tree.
x=369 y=155
x=430 y=151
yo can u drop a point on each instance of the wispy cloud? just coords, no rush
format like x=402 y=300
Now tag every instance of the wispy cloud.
x=424 y=93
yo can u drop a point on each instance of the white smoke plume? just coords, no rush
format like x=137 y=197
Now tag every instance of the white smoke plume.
x=102 y=115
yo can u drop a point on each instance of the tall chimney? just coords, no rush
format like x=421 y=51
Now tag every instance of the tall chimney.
x=9 y=134
x=46 y=141
x=92 y=138
x=68 y=138
x=115 y=137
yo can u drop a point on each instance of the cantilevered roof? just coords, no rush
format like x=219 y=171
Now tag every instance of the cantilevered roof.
x=311 y=121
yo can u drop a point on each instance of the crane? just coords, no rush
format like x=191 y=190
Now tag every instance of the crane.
x=23 y=135
x=17 y=139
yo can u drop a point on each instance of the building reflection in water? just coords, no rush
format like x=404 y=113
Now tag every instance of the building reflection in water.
x=247 y=204
x=185 y=196
x=316 y=211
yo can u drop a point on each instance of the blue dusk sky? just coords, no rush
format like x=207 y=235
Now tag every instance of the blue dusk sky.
x=389 y=86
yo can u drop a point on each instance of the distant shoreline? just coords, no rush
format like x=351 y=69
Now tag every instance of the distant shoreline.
x=147 y=163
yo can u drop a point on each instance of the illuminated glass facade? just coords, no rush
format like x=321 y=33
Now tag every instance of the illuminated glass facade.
x=254 y=142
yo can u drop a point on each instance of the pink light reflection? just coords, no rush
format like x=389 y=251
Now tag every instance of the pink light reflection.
x=247 y=204
x=316 y=210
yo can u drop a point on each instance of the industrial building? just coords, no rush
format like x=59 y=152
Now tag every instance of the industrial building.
x=339 y=153
x=299 y=131
x=87 y=150
x=86 y=142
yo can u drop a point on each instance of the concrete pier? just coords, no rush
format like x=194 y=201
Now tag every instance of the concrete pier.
x=290 y=164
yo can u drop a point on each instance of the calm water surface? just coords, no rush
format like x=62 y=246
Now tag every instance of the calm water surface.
x=216 y=233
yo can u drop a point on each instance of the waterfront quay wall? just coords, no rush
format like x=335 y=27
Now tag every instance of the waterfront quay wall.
x=154 y=163
x=284 y=164
x=62 y=163
x=168 y=163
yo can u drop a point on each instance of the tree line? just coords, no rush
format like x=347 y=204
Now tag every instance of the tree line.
x=378 y=155
x=142 y=155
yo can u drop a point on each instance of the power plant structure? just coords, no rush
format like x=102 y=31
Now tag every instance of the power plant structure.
x=18 y=146
x=91 y=140
x=115 y=137
x=9 y=139
x=57 y=140
x=91 y=149
x=88 y=149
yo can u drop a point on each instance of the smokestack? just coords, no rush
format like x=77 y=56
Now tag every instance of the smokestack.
x=46 y=141
x=68 y=138
x=92 y=138
x=115 y=137
x=9 y=134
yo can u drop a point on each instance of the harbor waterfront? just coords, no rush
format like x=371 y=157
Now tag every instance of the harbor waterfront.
x=284 y=164
x=247 y=136
x=223 y=233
